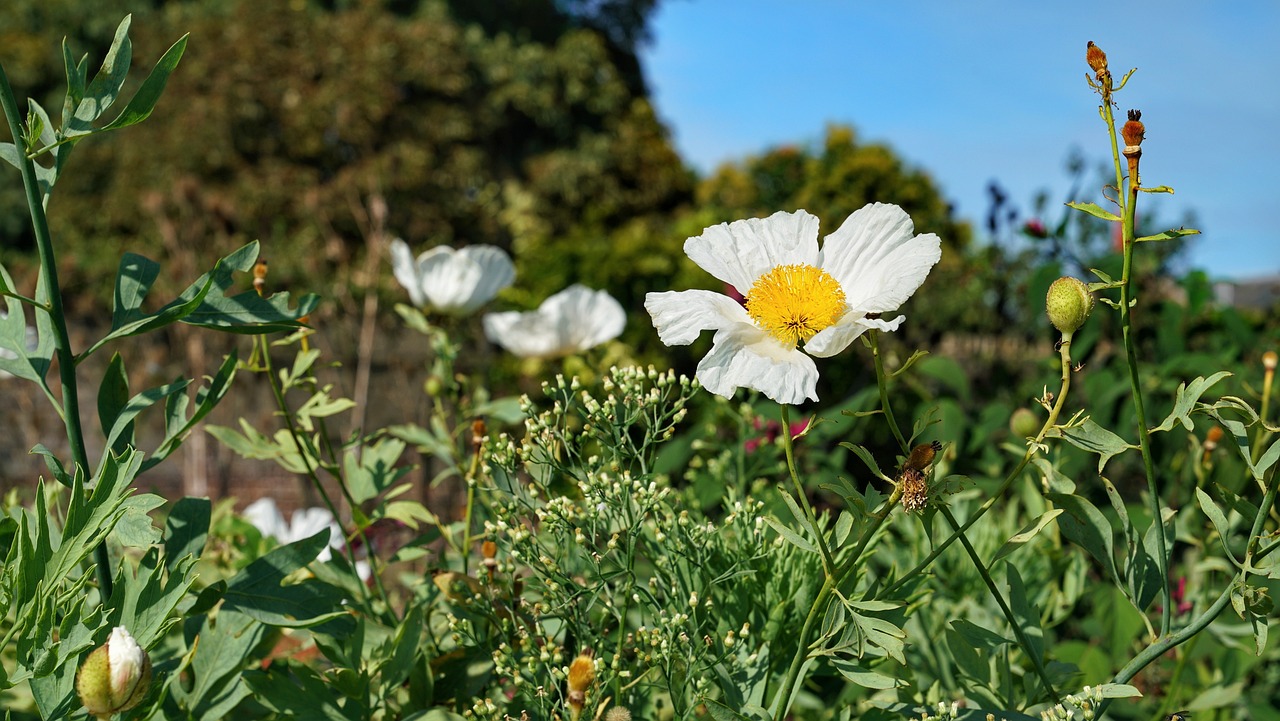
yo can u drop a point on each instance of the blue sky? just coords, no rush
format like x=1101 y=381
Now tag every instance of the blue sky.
x=980 y=90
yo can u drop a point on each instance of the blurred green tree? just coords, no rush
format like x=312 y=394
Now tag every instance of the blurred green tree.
x=286 y=117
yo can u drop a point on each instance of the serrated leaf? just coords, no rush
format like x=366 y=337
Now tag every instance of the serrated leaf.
x=791 y=536
x=30 y=348
x=186 y=529
x=867 y=459
x=1185 y=401
x=1167 y=235
x=178 y=425
x=105 y=86
x=259 y=592
x=134 y=278
x=1084 y=525
x=123 y=424
x=144 y=101
x=246 y=312
x=113 y=397
x=864 y=677
x=75 y=72
x=1094 y=210
x=1091 y=437
x=1219 y=520
x=1027 y=533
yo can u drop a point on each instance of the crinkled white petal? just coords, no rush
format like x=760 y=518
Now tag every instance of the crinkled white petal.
x=585 y=317
x=740 y=252
x=681 y=316
x=460 y=281
x=406 y=271
x=571 y=321
x=743 y=356
x=265 y=516
x=877 y=260
x=307 y=522
x=831 y=340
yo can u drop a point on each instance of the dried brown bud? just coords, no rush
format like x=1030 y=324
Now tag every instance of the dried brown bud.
x=1212 y=438
x=915 y=490
x=260 y=276
x=489 y=550
x=921 y=456
x=1133 y=131
x=1096 y=58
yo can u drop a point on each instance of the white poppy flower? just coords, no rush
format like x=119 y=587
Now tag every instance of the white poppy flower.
x=306 y=522
x=794 y=292
x=571 y=321
x=452 y=281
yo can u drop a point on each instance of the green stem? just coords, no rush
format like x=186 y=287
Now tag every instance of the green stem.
x=70 y=409
x=1014 y=624
x=828 y=562
x=1135 y=381
x=883 y=383
x=1167 y=643
x=305 y=453
x=792 y=679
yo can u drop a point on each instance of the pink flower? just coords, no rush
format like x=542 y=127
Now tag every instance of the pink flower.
x=771 y=431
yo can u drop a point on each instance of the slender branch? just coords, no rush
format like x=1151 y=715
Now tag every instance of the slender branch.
x=828 y=562
x=70 y=410
x=1130 y=201
x=1014 y=624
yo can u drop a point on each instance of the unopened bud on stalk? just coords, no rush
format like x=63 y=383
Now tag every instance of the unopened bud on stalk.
x=1068 y=304
x=1133 y=131
x=1024 y=423
x=1269 y=360
x=1097 y=60
x=1212 y=438
x=260 y=276
x=115 y=676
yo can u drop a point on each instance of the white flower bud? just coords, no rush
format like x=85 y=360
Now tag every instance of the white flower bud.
x=115 y=676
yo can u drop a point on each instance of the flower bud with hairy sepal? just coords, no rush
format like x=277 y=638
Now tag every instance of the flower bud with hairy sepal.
x=1068 y=304
x=115 y=676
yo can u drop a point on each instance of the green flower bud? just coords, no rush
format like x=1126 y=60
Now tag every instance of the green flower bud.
x=115 y=676
x=1068 y=304
x=1024 y=423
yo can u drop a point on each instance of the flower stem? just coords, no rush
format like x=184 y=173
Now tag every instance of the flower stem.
x=1129 y=202
x=305 y=454
x=70 y=409
x=1014 y=624
x=828 y=562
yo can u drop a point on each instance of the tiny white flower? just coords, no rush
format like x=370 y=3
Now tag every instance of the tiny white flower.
x=452 y=281
x=794 y=292
x=571 y=321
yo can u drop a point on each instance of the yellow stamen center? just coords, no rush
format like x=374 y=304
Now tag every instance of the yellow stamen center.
x=793 y=302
